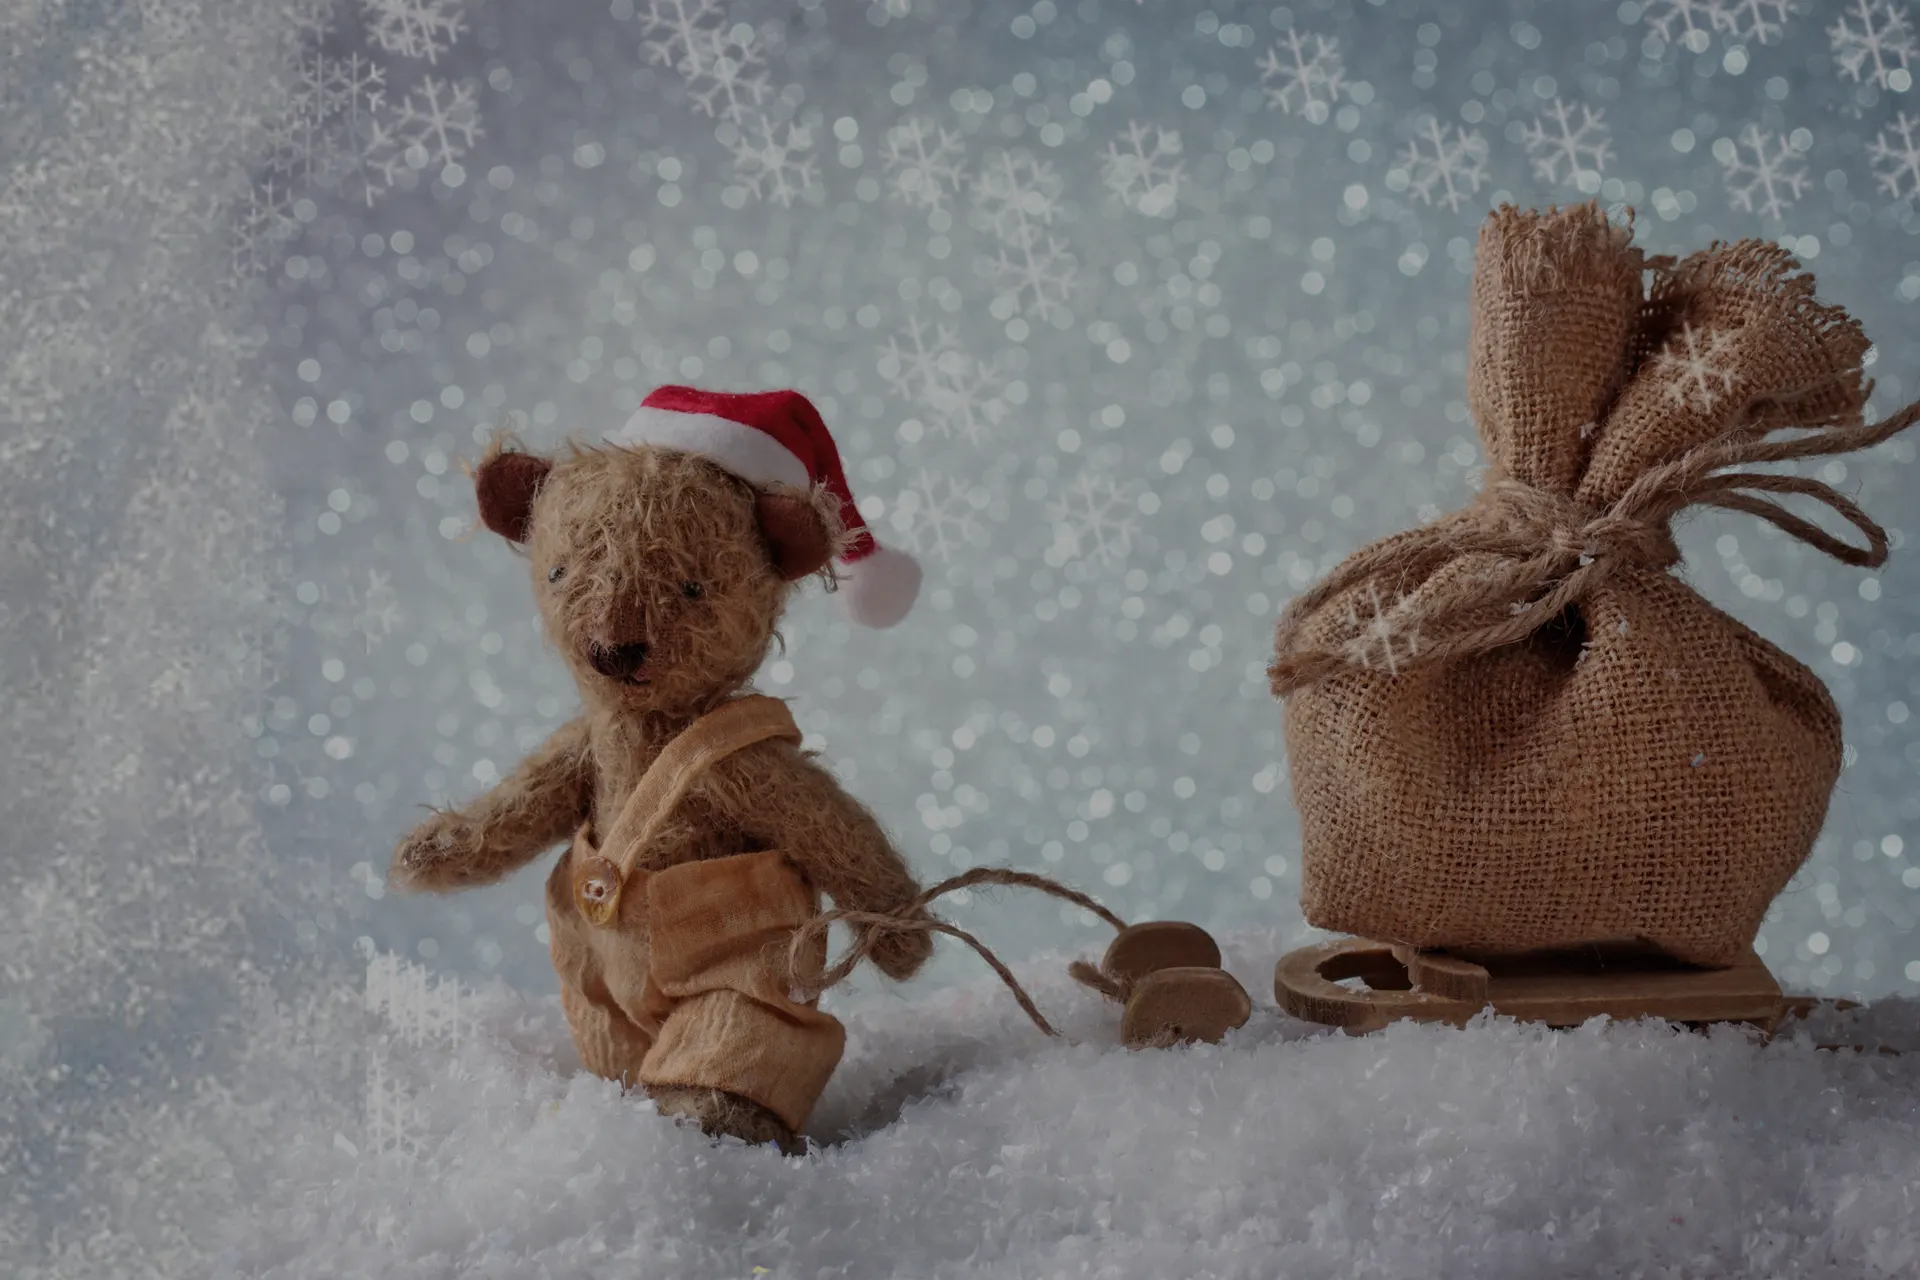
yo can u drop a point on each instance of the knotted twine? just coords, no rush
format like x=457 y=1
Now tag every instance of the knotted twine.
x=871 y=928
x=1558 y=553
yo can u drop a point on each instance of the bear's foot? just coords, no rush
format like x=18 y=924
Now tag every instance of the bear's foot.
x=721 y=1113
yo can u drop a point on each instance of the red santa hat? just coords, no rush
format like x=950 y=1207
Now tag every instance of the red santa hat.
x=772 y=437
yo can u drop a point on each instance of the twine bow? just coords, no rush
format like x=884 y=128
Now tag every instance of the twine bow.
x=1552 y=552
x=871 y=928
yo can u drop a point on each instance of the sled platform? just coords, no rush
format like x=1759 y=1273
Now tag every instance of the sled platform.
x=1558 y=988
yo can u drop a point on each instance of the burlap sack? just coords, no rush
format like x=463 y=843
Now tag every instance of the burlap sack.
x=1514 y=728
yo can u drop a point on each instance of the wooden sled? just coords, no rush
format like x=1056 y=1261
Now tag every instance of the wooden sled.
x=1167 y=976
x=1559 y=988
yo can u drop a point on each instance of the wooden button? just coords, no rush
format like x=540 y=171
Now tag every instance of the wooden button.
x=1141 y=949
x=1182 y=1005
x=596 y=887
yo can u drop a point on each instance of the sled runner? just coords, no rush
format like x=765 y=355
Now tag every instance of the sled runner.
x=1559 y=988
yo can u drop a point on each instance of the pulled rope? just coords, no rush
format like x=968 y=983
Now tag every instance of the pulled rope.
x=871 y=928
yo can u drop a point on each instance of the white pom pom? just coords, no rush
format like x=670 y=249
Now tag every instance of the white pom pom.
x=878 y=589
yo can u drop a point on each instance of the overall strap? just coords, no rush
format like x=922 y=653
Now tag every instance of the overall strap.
x=703 y=744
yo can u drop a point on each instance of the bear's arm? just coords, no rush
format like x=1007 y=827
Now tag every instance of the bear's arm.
x=776 y=794
x=533 y=808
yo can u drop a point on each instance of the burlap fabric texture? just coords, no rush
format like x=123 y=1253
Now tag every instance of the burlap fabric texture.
x=691 y=980
x=1514 y=728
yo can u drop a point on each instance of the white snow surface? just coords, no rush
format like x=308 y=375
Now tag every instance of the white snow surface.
x=957 y=1141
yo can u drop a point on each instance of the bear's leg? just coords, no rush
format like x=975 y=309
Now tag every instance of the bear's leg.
x=726 y=1114
x=610 y=1044
x=729 y=1027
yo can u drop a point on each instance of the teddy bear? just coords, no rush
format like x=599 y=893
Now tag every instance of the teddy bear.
x=701 y=836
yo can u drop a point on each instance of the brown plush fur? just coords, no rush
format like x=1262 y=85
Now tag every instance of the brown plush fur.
x=659 y=548
x=719 y=1112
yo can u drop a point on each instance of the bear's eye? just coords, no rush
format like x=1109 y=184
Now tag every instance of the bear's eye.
x=556 y=573
x=692 y=590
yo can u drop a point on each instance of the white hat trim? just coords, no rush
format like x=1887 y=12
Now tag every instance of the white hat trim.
x=747 y=452
x=881 y=587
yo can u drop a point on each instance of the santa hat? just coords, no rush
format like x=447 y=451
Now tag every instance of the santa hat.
x=778 y=437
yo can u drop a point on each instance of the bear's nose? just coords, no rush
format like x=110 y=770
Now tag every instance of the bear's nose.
x=618 y=661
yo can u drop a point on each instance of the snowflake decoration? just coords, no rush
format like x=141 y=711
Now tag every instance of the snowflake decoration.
x=1017 y=195
x=342 y=129
x=415 y=28
x=681 y=33
x=913 y=365
x=356 y=85
x=1017 y=198
x=1693 y=19
x=1564 y=150
x=436 y=123
x=394 y=1123
x=304 y=139
x=926 y=165
x=1897 y=164
x=1303 y=73
x=1142 y=167
x=961 y=394
x=1873 y=43
x=1772 y=180
x=937 y=519
x=967 y=403
x=730 y=77
x=775 y=161
x=1760 y=21
x=377 y=611
x=419 y=1007
x=1383 y=631
x=1095 y=519
x=264 y=224
x=1036 y=279
x=1444 y=164
x=368 y=155
x=1697 y=362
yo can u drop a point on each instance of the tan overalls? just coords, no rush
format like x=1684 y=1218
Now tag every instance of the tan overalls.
x=680 y=976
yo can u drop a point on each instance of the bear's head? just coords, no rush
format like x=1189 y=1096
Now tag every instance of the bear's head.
x=660 y=577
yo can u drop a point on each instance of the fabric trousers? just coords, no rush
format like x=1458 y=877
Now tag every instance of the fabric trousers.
x=689 y=984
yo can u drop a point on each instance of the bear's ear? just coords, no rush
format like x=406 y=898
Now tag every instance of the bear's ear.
x=797 y=537
x=505 y=483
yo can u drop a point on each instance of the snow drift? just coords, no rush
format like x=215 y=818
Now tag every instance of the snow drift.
x=957 y=1141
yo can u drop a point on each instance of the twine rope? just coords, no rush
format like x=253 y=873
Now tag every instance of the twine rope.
x=1558 y=552
x=871 y=928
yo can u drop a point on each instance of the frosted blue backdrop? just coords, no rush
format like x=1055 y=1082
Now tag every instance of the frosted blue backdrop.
x=1131 y=319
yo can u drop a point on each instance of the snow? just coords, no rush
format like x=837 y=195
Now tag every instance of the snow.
x=957 y=1141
